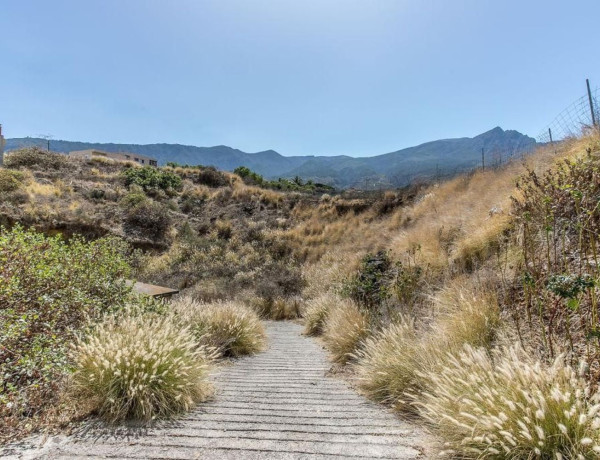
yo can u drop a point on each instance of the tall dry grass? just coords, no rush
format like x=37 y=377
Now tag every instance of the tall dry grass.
x=389 y=363
x=345 y=330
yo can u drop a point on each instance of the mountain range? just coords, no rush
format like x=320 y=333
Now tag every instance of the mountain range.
x=444 y=157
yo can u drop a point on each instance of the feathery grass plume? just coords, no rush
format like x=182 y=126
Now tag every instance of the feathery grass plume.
x=229 y=327
x=388 y=364
x=140 y=367
x=345 y=330
x=507 y=406
x=317 y=311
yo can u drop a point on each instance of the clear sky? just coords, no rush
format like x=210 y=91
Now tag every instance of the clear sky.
x=298 y=76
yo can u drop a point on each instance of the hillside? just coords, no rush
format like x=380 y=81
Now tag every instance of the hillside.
x=444 y=157
x=421 y=296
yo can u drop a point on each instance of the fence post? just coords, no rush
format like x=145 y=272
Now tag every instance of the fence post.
x=482 y=160
x=587 y=82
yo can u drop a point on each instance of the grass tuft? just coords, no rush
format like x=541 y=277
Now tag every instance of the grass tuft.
x=229 y=327
x=345 y=330
x=140 y=367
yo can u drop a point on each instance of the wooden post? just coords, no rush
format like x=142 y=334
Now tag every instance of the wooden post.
x=587 y=82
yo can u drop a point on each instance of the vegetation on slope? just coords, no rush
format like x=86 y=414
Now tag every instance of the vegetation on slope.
x=425 y=293
x=476 y=302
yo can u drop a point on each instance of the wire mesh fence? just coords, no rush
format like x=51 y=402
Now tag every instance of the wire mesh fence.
x=573 y=120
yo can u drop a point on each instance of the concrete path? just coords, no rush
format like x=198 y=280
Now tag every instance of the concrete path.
x=277 y=405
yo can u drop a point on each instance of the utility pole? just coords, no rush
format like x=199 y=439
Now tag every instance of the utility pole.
x=587 y=82
x=2 y=144
x=482 y=159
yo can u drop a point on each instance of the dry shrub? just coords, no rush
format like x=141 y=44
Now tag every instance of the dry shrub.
x=277 y=309
x=35 y=158
x=230 y=328
x=317 y=312
x=345 y=330
x=140 y=367
x=508 y=406
x=148 y=219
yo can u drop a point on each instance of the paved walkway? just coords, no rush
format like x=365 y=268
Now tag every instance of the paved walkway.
x=279 y=404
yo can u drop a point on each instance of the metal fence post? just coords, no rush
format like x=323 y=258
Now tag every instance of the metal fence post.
x=587 y=82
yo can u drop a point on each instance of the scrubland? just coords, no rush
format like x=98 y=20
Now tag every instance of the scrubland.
x=470 y=305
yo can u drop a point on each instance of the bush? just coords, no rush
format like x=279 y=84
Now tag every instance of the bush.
x=10 y=180
x=140 y=367
x=229 y=327
x=49 y=289
x=210 y=177
x=152 y=179
x=278 y=280
x=345 y=330
x=558 y=223
x=317 y=311
x=34 y=157
x=511 y=407
x=371 y=284
x=148 y=219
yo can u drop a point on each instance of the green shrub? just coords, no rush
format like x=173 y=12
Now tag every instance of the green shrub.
x=249 y=176
x=508 y=406
x=148 y=219
x=140 y=367
x=10 y=180
x=557 y=226
x=49 y=289
x=371 y=285
x=34 y=157
x=228 y=327
x=133 y=198
x=151 y=179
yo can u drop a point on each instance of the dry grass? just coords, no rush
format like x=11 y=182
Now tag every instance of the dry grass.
x=388 y=365
x=278 y=309
x=230 y=328
x=466 y=313
x=511 y=407
x=317 y=310
x=140 y=367
x=346 y=328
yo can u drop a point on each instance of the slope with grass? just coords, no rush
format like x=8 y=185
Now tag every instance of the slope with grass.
x=485 y=285
x=474 y=307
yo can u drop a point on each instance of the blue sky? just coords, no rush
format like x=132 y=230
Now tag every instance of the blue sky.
x=302 y=77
